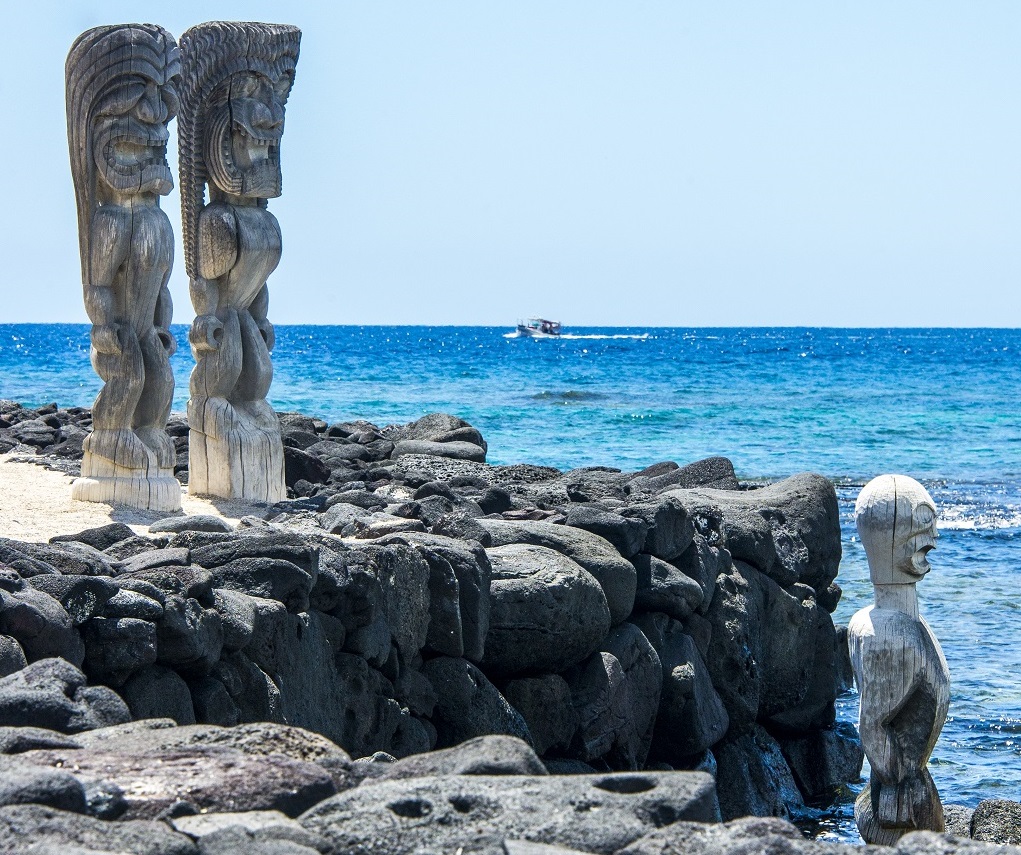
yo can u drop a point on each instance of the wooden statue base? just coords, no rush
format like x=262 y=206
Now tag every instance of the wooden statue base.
x=153 y=489
x=915 y=806
x=233 y=453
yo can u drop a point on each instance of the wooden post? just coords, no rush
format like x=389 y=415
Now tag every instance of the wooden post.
x=121 y=93
x=898 y=664
x=236 y=79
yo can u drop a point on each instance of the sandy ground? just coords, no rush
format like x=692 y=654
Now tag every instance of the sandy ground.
x=36 y=504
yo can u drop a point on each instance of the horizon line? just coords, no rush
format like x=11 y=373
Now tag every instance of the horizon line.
x=576 y=326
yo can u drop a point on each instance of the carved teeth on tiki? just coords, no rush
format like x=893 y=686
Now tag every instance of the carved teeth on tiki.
x=237 y=77
x=121 y=92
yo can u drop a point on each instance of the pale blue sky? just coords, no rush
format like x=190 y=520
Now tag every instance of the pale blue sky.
x=625 y=163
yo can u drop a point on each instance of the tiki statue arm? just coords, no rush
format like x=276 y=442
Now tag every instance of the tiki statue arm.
x=217 y=254
x=110 y=243
x=260 y=310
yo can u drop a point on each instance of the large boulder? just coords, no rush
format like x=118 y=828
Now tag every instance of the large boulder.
x=615 y=575
x=435 y=427
x=101 y=537
x=189 y=638
x=691 y=717
x=256 y=739
x=36 y=829
x=772 y=652
x=211 y=550
x=483 y=755
x=997 y=821
x=546 y=612
x=789 y=530
x=663 y=587
x=192 y=522
x=115 y=648
x=209 y=778
x=753 y=778
x=40 y=624
x=595 y=813
x=734 y=652
x=158 y=692
x=716 y=473
x=52 y=693
x=323 y=688
x=82 y=597
x=460 y=576
x=71 y=557
x=456 y=450
x=824 y=761
x=546 y=705
x=23 y=783
x=616 y=693
x=801 y=680
x=669 y=526
x=748 y=835
x=627 y=534
x=271 y=578
x=468 y=704
x=379 y=593
x=301 y=466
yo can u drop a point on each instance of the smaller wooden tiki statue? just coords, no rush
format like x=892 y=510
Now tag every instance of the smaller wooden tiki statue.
x=121 y=93
x=898 y=664
x=236 y=79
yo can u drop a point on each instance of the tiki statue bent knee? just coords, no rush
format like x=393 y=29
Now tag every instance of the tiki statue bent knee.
x=898 y=664
x=121 y=93
x=236 y=79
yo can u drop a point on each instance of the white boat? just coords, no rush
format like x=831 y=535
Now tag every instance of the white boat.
x=538 y=328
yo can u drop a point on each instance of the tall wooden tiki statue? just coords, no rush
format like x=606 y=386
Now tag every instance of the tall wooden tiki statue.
x=898 y=664
x=236 y=79
x=121 y=92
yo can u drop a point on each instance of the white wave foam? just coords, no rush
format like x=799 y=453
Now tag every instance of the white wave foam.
x=596 y=337
x=574 y=337
x=963 y=518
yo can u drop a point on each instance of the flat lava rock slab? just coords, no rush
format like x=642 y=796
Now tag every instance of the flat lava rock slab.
x=476 y=813
x=210 y=779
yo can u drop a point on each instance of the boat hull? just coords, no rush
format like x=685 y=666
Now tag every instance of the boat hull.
x=528 y=332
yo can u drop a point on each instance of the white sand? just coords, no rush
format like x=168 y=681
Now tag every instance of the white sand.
x=36 y=504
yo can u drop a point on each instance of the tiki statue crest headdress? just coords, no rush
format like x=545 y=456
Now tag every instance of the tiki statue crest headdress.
x=237 y=77
x=115 y=132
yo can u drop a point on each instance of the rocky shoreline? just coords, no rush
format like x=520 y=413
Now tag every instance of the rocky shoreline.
x=511 y=653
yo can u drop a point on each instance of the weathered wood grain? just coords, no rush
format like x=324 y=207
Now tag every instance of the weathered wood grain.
x=898 y=664
x=121 y=93
x=237 y=77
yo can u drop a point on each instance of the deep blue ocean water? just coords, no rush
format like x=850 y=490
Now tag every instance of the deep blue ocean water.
x=939 y=405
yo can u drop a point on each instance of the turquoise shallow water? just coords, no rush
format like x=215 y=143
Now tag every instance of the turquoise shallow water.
x=940 y=405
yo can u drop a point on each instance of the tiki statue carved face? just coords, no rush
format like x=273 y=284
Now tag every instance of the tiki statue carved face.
x=237 y=78
x=896 y=521
x=129 y=133
x=246 y=123
x=122 y=88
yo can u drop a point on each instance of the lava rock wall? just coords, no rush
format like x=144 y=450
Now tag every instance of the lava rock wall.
x=410 y=597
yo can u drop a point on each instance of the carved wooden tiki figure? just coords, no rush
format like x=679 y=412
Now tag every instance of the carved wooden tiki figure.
x=236 y=79
x=121 y=93
x=898 y=664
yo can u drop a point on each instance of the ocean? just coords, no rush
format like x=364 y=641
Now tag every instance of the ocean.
x=940 y=405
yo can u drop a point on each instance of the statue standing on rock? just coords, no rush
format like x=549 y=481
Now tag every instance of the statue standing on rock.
x=121 y=93
x=236 y=80
x=901 y=673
